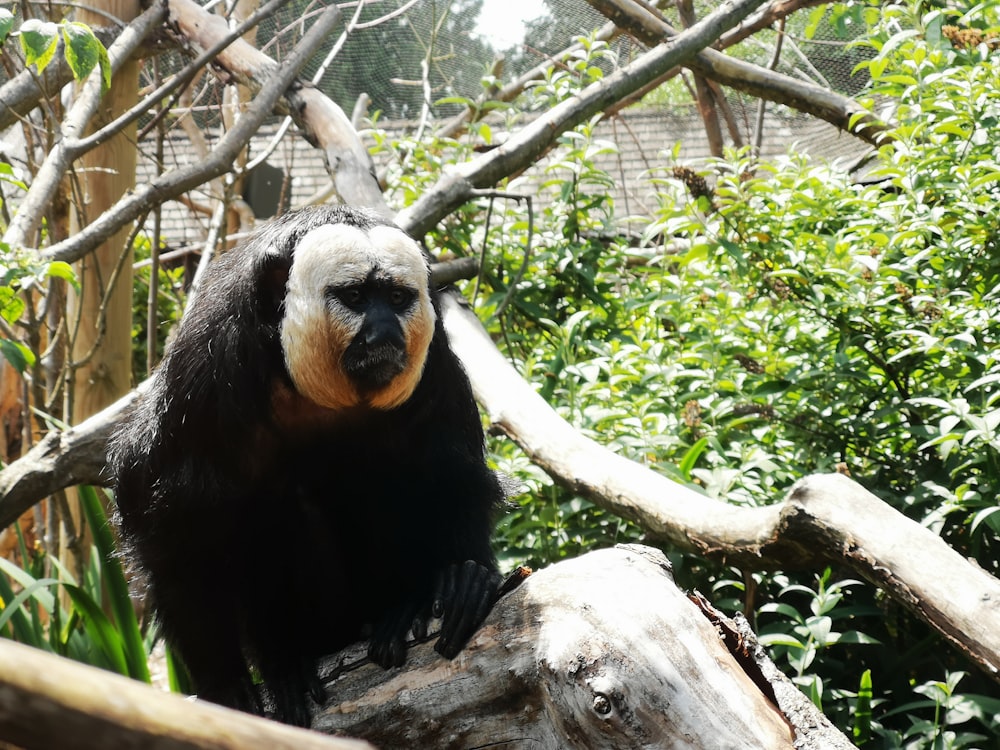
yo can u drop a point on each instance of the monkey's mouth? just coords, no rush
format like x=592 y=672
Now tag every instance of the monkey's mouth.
x=372 y=368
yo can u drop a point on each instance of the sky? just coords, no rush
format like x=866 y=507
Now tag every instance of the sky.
x=503 y=20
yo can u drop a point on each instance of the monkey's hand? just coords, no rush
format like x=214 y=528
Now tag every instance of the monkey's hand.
x=464 y=593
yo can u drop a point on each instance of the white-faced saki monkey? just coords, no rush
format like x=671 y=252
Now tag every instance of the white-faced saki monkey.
x=308 y=466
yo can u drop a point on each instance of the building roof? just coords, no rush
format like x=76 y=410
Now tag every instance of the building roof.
x=640 y=144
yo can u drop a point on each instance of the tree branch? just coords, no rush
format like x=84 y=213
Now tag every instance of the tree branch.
x=66 y=149
x=515 y=88
x=752 y=79
x=824 y=518
x=526 y=145
x=274 y=82
x=53 y=702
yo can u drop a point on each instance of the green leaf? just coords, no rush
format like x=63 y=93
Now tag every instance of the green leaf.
x=691 y=458
x=19 y=356
x=84 y=52
x=780 y=639
x=99 y=628
x=772 y=387
x=13 y=606
x=21 y=627
x=25 y=579
x=7 y=175
x=39 y=41
x=862 y=729
x=6 y=23
x=11 y=304
x=82 y=49
x=58 y=269
x=121 y=603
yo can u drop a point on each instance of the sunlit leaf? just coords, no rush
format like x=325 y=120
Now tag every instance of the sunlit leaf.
x=39 y=41
x=6 y=23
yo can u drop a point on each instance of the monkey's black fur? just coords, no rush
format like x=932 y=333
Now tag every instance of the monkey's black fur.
x=274 y=531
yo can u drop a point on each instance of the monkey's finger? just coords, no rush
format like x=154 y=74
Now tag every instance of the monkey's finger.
x=444 y=591
x=388 y=652
x=420 y=620
x=387 y=646
x=315 y=687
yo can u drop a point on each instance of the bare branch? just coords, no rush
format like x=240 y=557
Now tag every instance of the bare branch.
x=98 y=710
x=755 y=80
x=776 y=10
x=276 y=83
x=824 y=519
x=524 y=148
x=516 y=87
x=61 y=459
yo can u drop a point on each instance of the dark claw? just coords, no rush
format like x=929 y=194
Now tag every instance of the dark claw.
x=444 y=591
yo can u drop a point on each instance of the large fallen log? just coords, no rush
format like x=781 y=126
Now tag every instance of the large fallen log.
x=603 y=651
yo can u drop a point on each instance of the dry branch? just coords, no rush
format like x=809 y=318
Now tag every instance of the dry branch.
x=48 y=702
x=273 y=88
x=63 y=458
x=524 y=147
x=650 y=29
x=509 y=92
x=53 y=170
x=321 y=119
x=824 y=518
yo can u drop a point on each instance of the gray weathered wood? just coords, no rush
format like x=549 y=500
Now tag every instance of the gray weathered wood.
x=47 y=702
x=603 y=651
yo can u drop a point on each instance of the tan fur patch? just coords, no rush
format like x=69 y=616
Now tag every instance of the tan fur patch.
x=314 y=335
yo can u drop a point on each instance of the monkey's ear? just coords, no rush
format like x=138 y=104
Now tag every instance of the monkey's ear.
x=272 y=279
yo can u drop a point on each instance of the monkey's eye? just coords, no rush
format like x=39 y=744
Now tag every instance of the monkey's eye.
x=352 y=297
x=400 y=298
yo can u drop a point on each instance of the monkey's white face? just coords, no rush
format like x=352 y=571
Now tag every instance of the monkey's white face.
x=358 y=317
